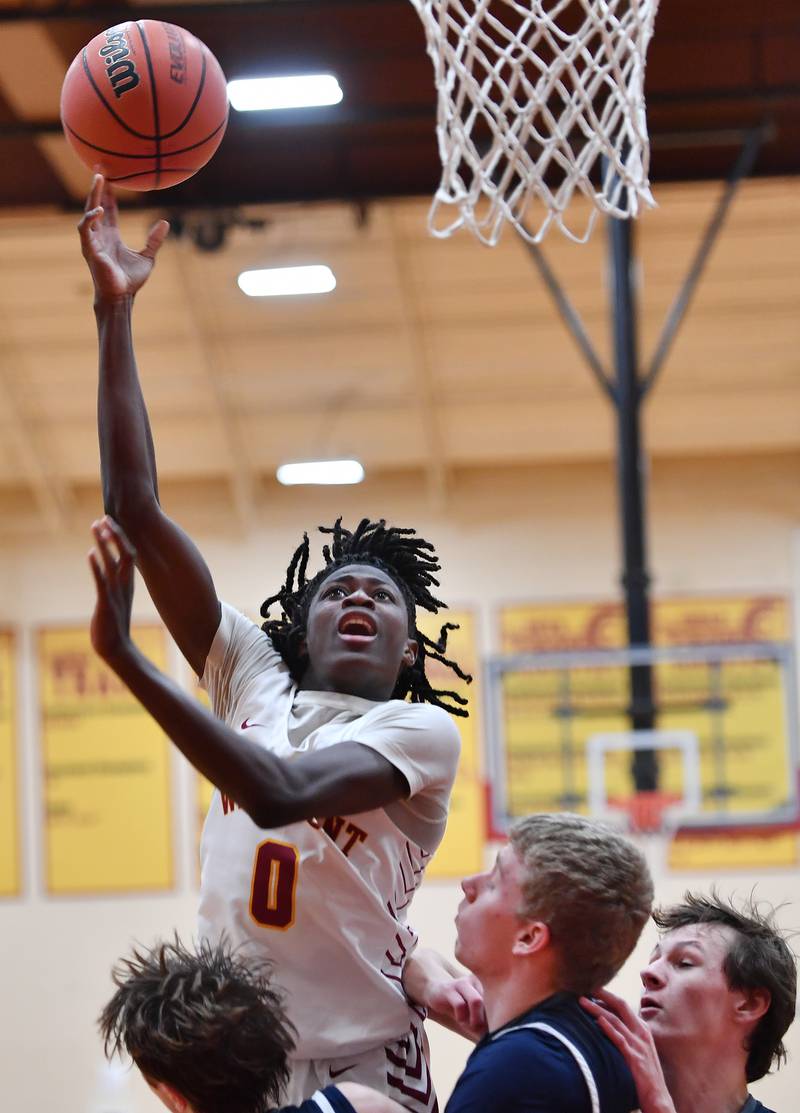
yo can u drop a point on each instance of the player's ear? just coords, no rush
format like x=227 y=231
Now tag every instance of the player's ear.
x=752 y=1004
x=410 y=653
x=533 y=936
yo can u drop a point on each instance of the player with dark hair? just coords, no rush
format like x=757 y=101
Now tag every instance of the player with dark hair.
x=720 y=991
x=209 y=1034
x=205 y=1027
x=409 y=560
x=333 y=787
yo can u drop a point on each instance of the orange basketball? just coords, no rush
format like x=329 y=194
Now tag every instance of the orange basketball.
x=145 y=104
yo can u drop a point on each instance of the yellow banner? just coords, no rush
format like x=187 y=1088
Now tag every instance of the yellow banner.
x=753 y=851
x=106 y=768
x=559 y=627
x=735 y=709
x=10 y=881
x=461 y=851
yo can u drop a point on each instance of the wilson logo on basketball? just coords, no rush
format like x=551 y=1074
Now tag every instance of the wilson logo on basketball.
x=120 y=67
x=177 y=54
x=167 y=127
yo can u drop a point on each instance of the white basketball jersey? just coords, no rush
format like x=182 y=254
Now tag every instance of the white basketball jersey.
x=326 y=900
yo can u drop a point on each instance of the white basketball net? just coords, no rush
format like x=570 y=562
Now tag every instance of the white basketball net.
x=538 y=100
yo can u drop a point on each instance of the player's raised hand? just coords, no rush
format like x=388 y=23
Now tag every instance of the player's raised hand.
x=460 y=1000
x=117 y=271
x=452 y=997
x=633 y=1038
x=112 y=564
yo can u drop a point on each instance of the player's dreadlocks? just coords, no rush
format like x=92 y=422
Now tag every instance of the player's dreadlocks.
x=206 y=1023
x=410 y=561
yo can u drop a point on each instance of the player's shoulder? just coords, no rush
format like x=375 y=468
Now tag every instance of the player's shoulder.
x=420 y=731
x=231 y=618
x=415 y=716
x=236 y=629
x=241 y=655
x=527 y=1043
x=519 y=1057
x=531 y=1062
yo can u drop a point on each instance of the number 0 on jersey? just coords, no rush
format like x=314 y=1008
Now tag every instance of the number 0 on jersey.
x=274 y=883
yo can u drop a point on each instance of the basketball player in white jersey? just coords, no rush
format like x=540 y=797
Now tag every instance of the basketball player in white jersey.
x=333 y=788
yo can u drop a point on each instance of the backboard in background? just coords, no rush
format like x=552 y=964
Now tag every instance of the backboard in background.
x=737 y=698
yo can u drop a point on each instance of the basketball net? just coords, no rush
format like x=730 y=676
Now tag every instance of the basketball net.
x=652 y=826
x=538 y=101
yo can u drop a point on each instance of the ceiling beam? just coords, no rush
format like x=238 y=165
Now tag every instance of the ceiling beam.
x=118 y=13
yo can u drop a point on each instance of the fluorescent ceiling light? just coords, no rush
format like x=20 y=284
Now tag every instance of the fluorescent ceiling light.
x=321 y=472
x=253 y=94
x=280 y=281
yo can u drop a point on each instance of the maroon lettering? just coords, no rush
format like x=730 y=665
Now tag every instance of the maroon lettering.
x=345 y=837
x=274 y=883
x=332 y=826
x=228 y=805
x=356 y=835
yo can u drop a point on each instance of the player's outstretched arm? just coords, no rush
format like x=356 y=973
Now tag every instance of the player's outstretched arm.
x=633 y=1038
x=452 y=997
x=341 y=780
x=175 y=573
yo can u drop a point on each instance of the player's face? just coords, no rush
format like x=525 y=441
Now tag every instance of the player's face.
x=357 y=634
x=686 y=997
x=487 y=921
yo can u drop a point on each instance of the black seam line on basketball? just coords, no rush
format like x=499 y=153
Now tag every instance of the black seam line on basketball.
x=193 y=105
x=127 y=154
x=104 y=102
x=144 y=173
x=154 y=95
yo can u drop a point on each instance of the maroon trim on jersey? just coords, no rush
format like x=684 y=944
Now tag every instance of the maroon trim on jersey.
x=406 y=927
x=423 y=854
x=410 y=885
x=417 y=1072
x=397 y=963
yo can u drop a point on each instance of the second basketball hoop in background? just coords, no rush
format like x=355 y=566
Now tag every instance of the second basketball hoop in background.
x=538 y=101
x=145 y=104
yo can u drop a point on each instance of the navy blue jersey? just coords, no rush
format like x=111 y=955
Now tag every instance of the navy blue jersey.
x=530 y=1071
x=329 y=1100
x=753 y=1106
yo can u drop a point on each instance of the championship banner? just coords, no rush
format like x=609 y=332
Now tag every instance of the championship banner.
x=461 y=851
x=106 y=771
x=10 y=881
x=736 y=708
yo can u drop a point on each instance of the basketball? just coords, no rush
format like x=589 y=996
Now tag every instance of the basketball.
x=145 y=104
